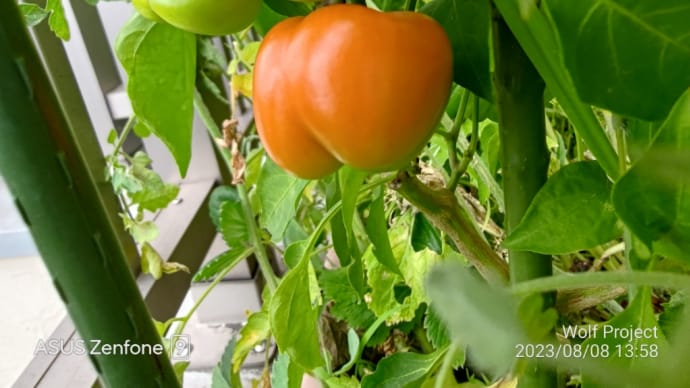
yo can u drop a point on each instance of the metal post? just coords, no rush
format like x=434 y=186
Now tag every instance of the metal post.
x=67 y=210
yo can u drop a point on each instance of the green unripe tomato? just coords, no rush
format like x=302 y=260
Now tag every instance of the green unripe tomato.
x=207 y=17
x=142 y=6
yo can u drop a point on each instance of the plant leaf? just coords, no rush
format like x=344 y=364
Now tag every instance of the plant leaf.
x=476 y=314
x=288 y=8
x=348 y=305
x=229 y=258
x=467 y=25
x=653 y=197
x=285 y=373
x=151 y=261
x=33 y=14
x=626 y=352
x=294 y=319
x=153 y=193
x=161 y=63
x=220 y=195
x=572 y=211
x=233 y=226
x=56 y=20
x=377 y=230
x=253 y=333
x=642 y=51
x=413 y=266
x=350 y=181
x=402 y=370
x=222 y=375
x=279 y=193
x=425 y=235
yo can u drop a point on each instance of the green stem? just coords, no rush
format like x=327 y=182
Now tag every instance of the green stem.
x=524 y=159
x=469 y=152
x=443 y=210
x=446 y=366
x=256 y=241
x=597 y=279
x=123 y=136
x=452 y=139
x=424 y=344
x=183 y=321
x=249 y=217
x=539 y=40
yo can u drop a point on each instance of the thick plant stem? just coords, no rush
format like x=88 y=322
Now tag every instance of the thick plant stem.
x=441 y=208
x=524 y=159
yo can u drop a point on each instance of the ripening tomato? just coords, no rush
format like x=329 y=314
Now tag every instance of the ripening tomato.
x=207 y=17
x=348 y=84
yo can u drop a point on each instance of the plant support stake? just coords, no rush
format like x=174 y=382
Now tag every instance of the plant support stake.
x=524 y=159
x=66 y=210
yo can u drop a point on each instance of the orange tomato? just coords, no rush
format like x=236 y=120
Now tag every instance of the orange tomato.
x=347 y=84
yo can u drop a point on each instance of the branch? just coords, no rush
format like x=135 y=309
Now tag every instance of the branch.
x=441 y=208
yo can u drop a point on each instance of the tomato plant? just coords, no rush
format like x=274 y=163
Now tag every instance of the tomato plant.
x=548 y=197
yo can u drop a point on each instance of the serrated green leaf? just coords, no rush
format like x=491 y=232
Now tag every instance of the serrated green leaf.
x=414 y=267
x=151 y=261
x=482 y=317
x=252 y=334
x=377 y=230
x=467 y=25
x=233 y=226
x=436 y=330
x=402 y=370
x=222 y=375
x=154 y=193
x=294 y=320
x=348 y=305
x=56 y=20
x=639 y=315
x=285 y=374
x=226 y=259
x=653 y=197
x=161 y=63
x=425 y=235
x=33 y=14
x=572 y=211
x=220 y=195
x=642 y=51
x=279 y=193
x=123 y=180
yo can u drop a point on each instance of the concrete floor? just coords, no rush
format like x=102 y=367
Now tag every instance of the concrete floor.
x=29 y=309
